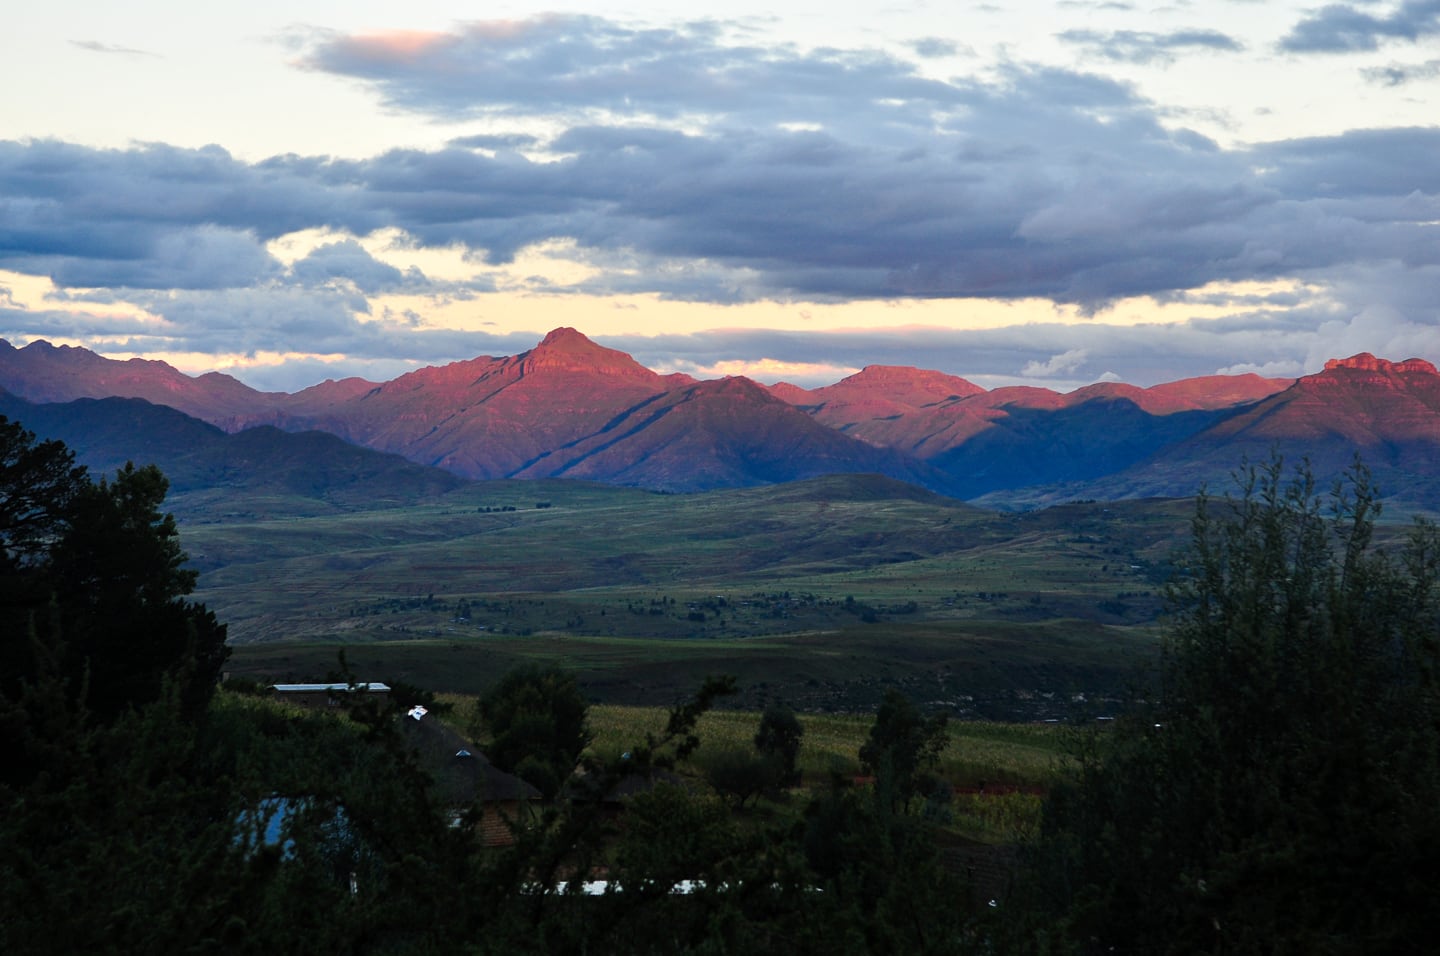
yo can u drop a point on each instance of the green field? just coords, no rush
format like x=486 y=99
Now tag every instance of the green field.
x=820 y=594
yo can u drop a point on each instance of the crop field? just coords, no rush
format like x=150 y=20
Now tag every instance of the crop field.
x=998 y=770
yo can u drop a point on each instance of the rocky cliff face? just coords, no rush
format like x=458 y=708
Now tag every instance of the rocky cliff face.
x=1365 y=362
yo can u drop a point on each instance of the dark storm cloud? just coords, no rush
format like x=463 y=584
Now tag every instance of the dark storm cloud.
x=1130 y=46
x=1345 y=28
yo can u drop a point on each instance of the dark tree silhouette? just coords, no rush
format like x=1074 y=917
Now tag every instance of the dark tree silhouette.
x=1280 y=796
x=536 y=721
x=779 y=738
x=95 y=572
x=903 y=747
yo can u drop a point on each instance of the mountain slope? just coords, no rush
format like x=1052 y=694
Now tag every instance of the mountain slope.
x=571 y=408
x=1387 y=412
x=488 y=417
x=1018 y=436
x=41 y=372
x=726 y=433
x=309 y=472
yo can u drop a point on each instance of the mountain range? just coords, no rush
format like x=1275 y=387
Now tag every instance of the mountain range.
x=570 y=408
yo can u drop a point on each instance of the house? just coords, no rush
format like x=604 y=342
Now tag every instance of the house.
x=466 y=780
x=330 y=695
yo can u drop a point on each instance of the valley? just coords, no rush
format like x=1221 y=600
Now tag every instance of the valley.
x=996 y=553
x=821 y=592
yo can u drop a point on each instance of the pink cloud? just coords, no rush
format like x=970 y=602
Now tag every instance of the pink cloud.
x=395 y=46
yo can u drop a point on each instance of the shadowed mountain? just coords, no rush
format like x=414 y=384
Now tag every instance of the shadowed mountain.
x=308 y=472
x=1039 y=446
x=1387 y=412
x=931 y=415
x=726 y=433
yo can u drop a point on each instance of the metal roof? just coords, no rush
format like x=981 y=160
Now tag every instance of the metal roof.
x=313 y=688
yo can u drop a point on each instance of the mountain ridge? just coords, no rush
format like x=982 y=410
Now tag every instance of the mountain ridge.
x=569 y=407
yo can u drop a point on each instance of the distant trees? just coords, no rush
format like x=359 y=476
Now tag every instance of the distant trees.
x=1280 y=794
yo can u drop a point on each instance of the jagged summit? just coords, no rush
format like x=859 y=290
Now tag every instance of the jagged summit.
x=1366 y=362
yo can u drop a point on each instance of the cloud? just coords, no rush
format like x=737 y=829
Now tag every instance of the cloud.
x=1344 y=28
x=1049 y=183
x=939 y=47
x=557 y=64
x=1130 y=46
x=684 y=163
x=1065 y=363
x=188 y=257
x=1031 y=182
x=95 y=46
x=1144 y=354
x=497 y=141
x=1398 y=74
x=348 y=261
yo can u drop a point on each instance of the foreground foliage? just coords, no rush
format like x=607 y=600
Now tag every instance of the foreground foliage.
x=1276 y=796
x=93 y=588
x=1280 y=796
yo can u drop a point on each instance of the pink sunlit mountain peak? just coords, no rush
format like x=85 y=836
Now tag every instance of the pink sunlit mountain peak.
x=567 y=350
x=1365 y=362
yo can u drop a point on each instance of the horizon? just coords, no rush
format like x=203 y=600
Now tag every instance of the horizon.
x=289 y=193
x=1331 y=362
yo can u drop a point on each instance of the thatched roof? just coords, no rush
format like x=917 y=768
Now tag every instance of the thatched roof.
x=461 y=772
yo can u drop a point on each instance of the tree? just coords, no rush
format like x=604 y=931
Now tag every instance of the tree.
x=742 y=775
x=38 y=481
x=779 y=738
x=537 y=725
x=95 y=571
x=1280 y=794
x=903 y=746
x=119 y=577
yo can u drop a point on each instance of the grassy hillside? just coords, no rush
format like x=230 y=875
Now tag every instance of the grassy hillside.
x=819 y=593
x=600 y=561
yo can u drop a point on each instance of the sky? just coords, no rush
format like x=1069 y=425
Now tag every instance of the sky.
x=1047 y=193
